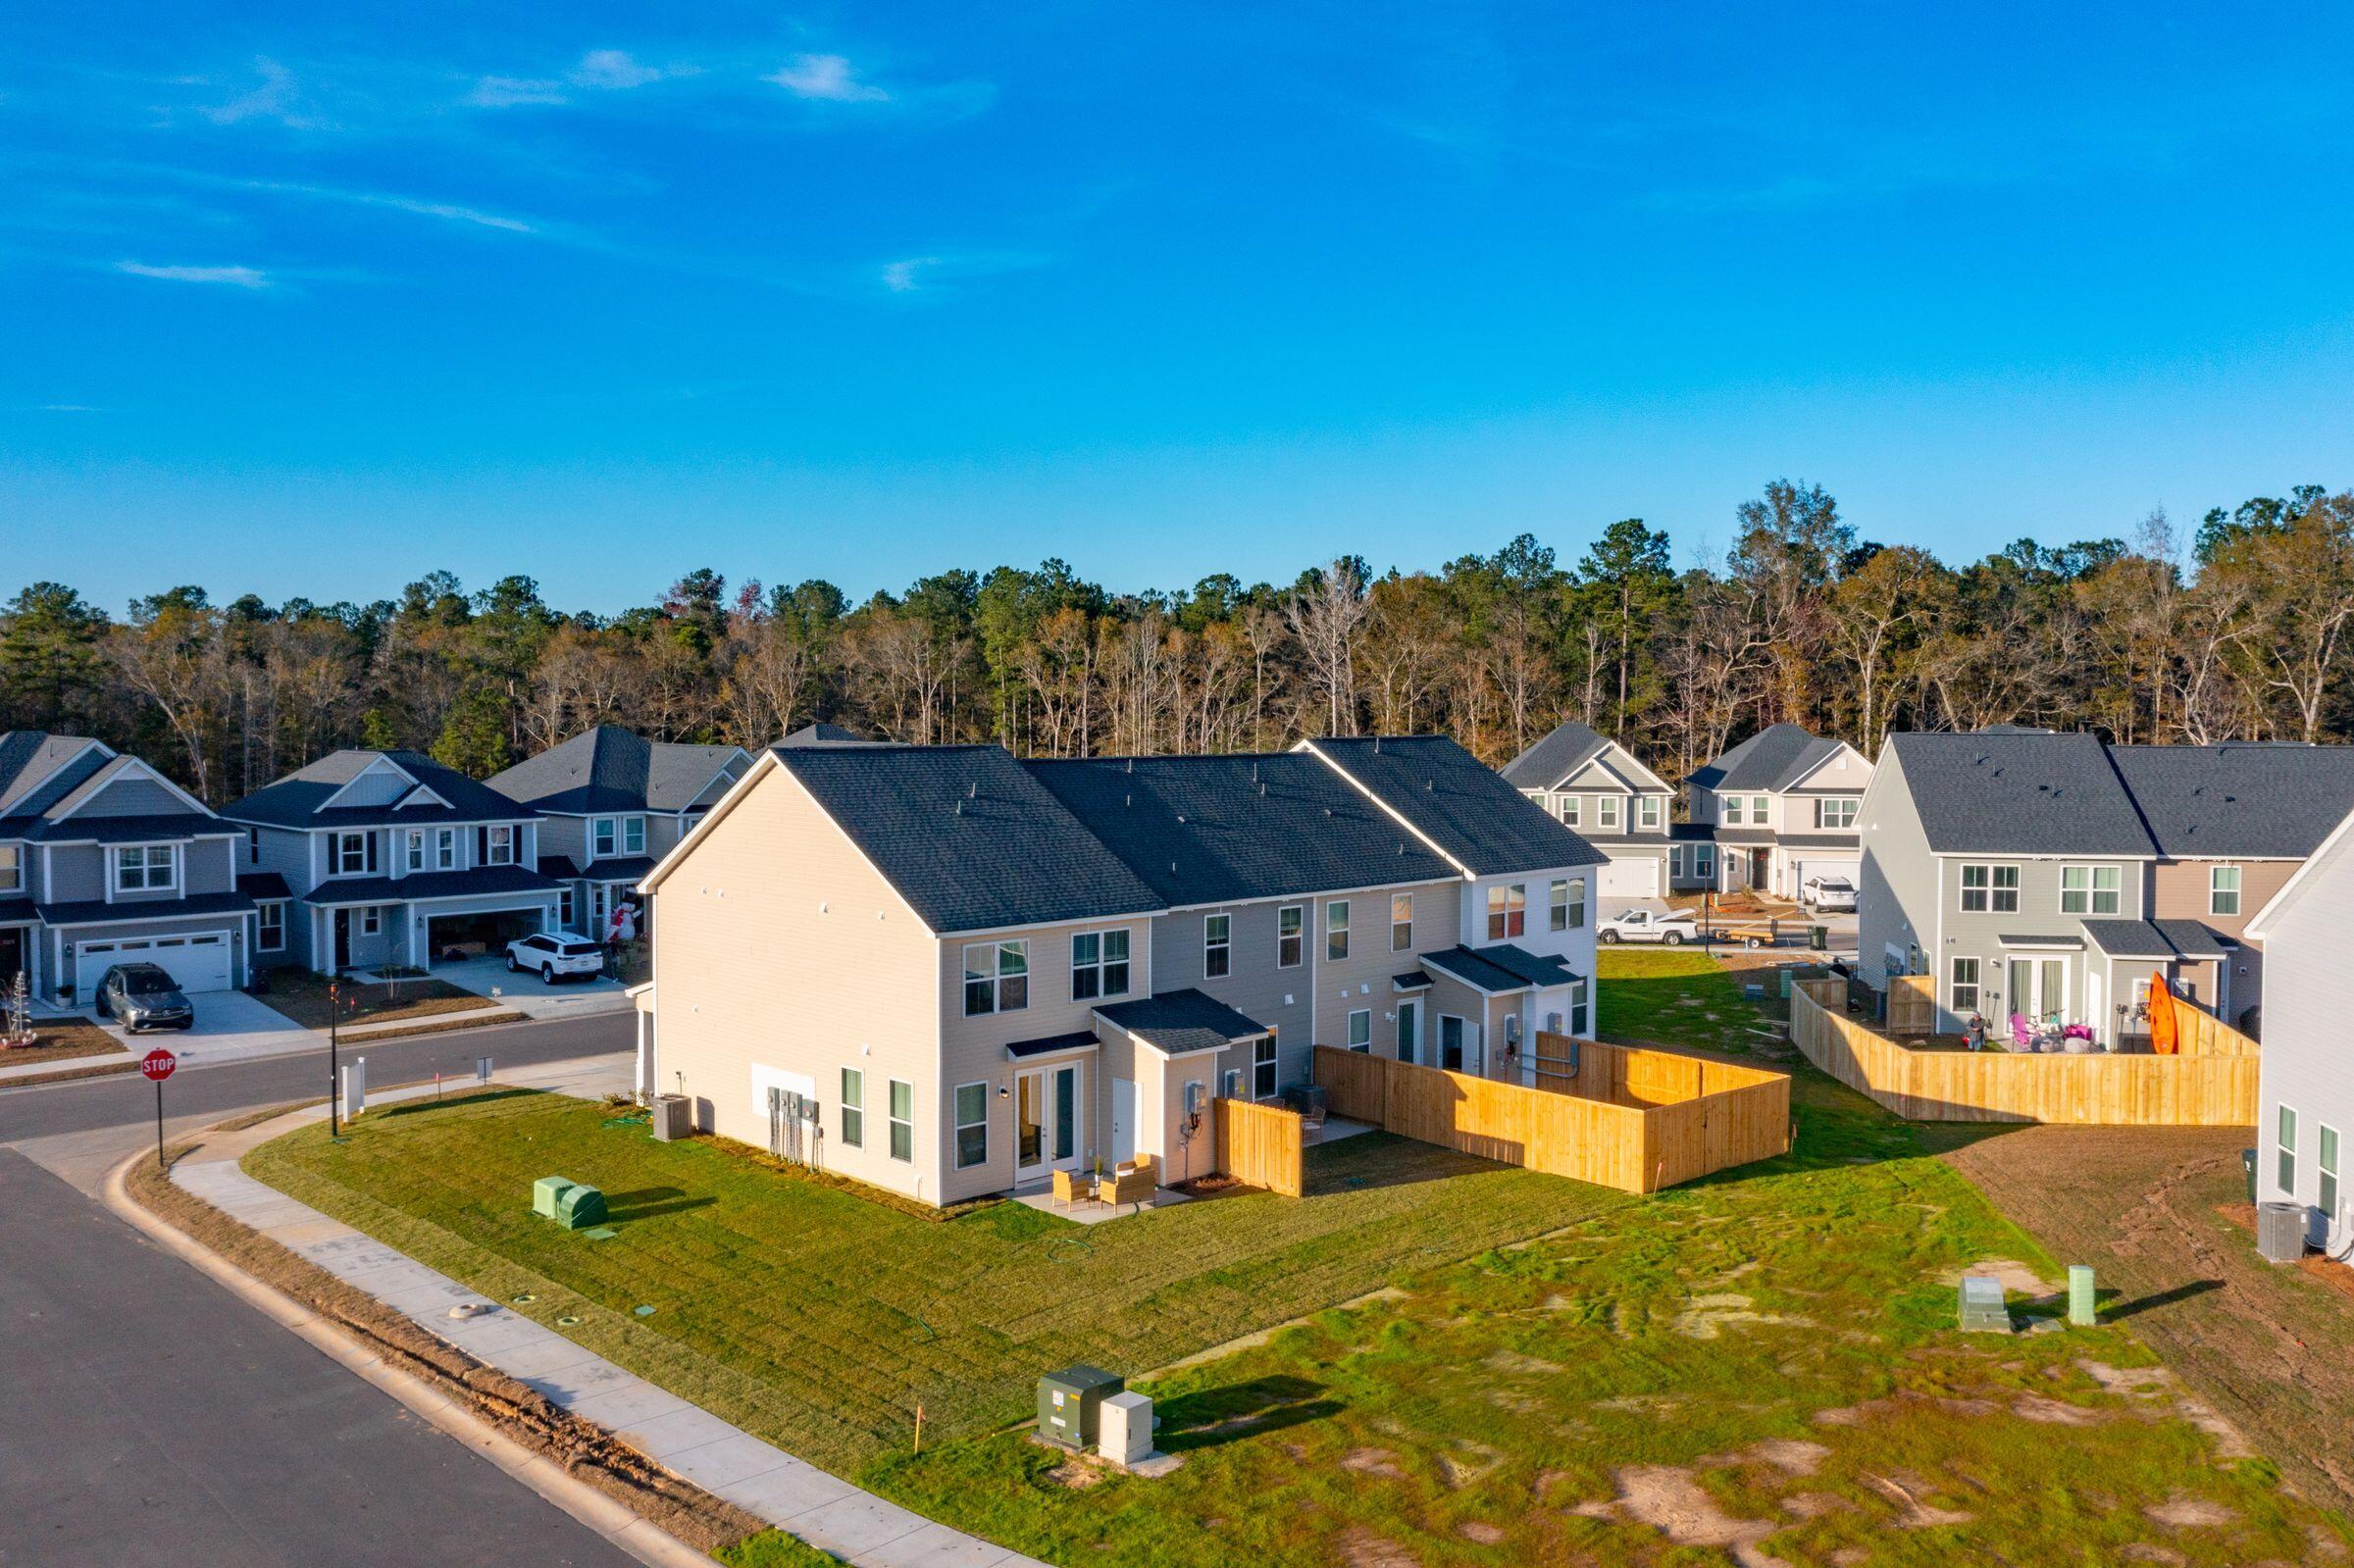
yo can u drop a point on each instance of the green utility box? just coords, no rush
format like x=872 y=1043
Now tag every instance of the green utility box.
x=1819 y=938
x=580 y=1207
x=545 y=1192
x=1983 y=1306
x=1070 y=1404
x=2084 y=1304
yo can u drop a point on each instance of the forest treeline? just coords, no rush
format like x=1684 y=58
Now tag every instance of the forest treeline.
x=2236 y=633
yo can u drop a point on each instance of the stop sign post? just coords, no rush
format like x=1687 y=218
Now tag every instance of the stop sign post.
x=157 y=1065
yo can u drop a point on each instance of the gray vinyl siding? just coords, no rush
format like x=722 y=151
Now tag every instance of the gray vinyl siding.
x=565 y=836
x=1897 y=888
x=287 y=853
x=2308 y=1061
x=133 y=797
x=1280 y=998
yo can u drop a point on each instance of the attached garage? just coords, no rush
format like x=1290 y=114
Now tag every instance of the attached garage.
x=482 y=930
x=199 y=961
x=1630 y=879
x=1805 y=868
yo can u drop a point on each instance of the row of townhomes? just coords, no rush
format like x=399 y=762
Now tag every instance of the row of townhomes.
x=948 y=972
x=361 y=860
x=2042 y=873
x=1771 y=814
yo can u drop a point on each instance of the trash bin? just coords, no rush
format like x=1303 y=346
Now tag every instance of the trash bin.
x=2247 y=1163
x=1819 y=938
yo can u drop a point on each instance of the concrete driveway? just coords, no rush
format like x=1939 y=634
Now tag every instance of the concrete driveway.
x=230 y=1027
x=530 y=996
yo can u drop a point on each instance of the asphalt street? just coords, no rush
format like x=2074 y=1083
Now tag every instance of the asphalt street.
x=147 y=1416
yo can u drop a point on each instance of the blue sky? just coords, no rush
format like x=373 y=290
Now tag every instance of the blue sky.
x=311 y=299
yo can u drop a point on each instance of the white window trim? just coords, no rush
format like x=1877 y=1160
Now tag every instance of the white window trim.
x=1606 y=811
x=1224 y=944
x=172 y=867
x=996 y=976
x=1102 y=962
x=1349 y=1038
x=2214 y=891
x=1406 y=927
x=1273 y=1062
x=1330 y=956
x=852 y=1107
x=2092 y=890
x=1573 y=811
x=371 y=920
x=1961 y=890
x=335 y=852
x=892 y=1122
x=1299 y=910
x=263 y=929
x=445 y=850
x=1647 y=811
x=633 y=826
x=2284 y=1148
x=957 y=1128
x=12 y=866
x=493 y=857
x=1976 y=984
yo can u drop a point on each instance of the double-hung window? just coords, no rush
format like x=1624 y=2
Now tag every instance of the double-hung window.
x=996 y=977
x=1336 y=930
x=445 y=850
x=902 y=1121
x=371 y=920
x=272 y=923
x=1606 y=811
x=1757 y=811
x=502 y=846
x=1217 y=946
x=1647 y=811
x=2285 y=1173
x=2091 y=890
x=972 y=1125
x=1572 y=810
x=632 y=835
x=1402 y=923
x=1508 y=911
x=416 y=849
x=1839 y=812
x=349 y=853
x=1360 y=1030
x=1731 y=811
x=2327 y=1160
x=1098 y=964
x=2223 y=889
x=853 y=1109
x=604 y=838
x=1962 y=995
x=1704 y=861
x=1578 y=1005
x=1262 y=1067
x=1289 y=921
x=1990 y=889
x=1556 y=905
x=144 y=869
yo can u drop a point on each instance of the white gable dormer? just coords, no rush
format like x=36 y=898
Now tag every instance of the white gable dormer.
x=380 y=783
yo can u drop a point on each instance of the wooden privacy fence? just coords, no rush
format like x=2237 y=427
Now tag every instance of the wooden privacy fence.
x=2214 y=1087
x=1634 y=1119
x=1258 y=1145
x=1912 y=1004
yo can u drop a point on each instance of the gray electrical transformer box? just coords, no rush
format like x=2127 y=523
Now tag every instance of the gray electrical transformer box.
x=1070 y=1404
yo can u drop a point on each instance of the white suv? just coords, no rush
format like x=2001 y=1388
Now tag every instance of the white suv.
x=554 y=953
x=1830 y=895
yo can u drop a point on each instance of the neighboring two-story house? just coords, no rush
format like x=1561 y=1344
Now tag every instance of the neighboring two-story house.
x=611 y=803
x=2232 y=823
x=1603 y=793
x=999 y=968
x=105 y=861
x=2045 y=874
x=1779 y=809
x=390 y=859
x=2305 y=1093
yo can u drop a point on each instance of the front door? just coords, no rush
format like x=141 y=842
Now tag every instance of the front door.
x=2039 y=988
x=1451 y=1042
x=1408 y=1017
x=11 y=959
x=342 y=939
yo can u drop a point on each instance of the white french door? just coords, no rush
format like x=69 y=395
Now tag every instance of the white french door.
x=1049 y=1121
x=2038 y=987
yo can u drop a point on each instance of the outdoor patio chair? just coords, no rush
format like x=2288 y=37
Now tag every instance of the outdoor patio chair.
x=2023 y=1033
x=1070 y=1186
x=1127 y=1186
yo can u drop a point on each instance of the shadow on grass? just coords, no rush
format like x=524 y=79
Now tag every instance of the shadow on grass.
x=645 y=1203
x=2159 y=1298
x=1216 y=1416
x=1367 y=1161
x=469 y=1097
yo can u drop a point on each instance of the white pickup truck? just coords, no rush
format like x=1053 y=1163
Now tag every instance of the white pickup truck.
x=1672 y=929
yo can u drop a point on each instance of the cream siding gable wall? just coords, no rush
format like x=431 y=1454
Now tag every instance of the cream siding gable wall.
x=781 y=946
x=2308 y=1062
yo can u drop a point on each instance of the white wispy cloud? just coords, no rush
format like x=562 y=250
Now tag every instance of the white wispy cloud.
x=275 y=97
x=937 y=275
x=236 y=276
x=618 y=69
x=393 y=201
x=830 y=78
x=507 y=92
x=906 y=275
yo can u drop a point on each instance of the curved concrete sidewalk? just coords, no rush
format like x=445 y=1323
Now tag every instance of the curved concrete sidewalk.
x=723 y=1459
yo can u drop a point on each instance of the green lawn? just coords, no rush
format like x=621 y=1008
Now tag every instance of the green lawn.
x=302 y=997
x=1677 y=996
x=1764 y=1360
x=820 y=1319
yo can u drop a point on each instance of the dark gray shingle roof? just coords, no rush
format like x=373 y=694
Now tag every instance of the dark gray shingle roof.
x=33 y=772
x=1219 y=830
x=2238 y=798
x=294 y=801
x=97 y=911
x=2155 y=938
x=481 y=882
x=1078 y=1040
x=1458 y=803
x=968 y=837
x=612 y=769
x=1483 y=969
x=1180 y=1020
x=1571 y=745
x=822 y=733
x=2021 y=793
x=1772 y=759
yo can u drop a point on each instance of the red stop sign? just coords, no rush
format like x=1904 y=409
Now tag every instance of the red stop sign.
x=157 y=1064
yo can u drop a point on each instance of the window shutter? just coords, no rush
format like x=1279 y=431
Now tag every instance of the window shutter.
x=372 y=854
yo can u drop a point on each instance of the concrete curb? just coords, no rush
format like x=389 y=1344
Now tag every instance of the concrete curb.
x=606 y=1516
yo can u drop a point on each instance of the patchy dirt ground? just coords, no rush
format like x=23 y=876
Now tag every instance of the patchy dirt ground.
x=2270 y=1349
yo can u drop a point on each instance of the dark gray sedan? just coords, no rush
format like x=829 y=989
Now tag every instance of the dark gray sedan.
x=141 y=996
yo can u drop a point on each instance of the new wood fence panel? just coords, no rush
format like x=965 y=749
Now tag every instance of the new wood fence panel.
x=1260 y=1145
x=1913 y=1004
x=2216 y=1090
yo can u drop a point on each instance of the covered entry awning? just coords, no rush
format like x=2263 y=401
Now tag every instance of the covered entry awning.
x=1177 y=1022
x=2166 y=941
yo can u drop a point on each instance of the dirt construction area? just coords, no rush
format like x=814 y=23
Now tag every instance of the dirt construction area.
x=2271 y=1349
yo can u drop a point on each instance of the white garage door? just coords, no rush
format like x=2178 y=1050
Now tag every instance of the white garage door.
x=1809 y=869
x=1630 y=879
x=195 y=962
